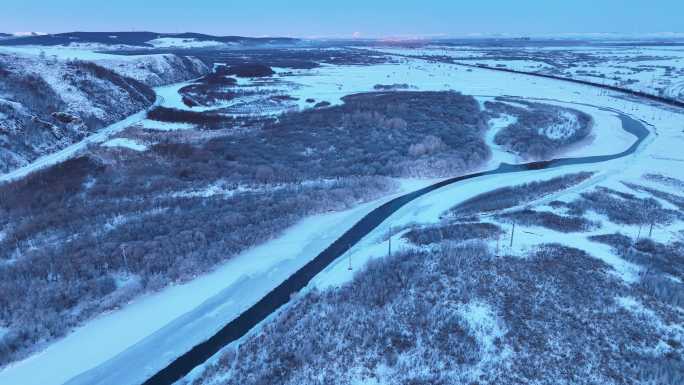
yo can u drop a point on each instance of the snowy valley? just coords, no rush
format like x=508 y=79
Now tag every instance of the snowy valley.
x=421 y=214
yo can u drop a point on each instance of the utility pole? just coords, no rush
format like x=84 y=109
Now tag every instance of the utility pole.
x=123 y=254
x=498 y=238
x=650 y=230
x=512 y=234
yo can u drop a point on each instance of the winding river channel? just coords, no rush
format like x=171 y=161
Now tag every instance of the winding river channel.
x=280 y=295
x=235 y=328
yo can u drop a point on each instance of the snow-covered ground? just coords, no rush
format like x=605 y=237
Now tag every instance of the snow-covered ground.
x=125 y=143
x=429 y=208
x=484 y=324
x=652 y=69
x=607 y=135
x=175 y=42
x=151 y=69
x=659 y=153
x=66 y=53
x=164 y=126
x=151 y=328
x=653 y=156
x=499 y=154
x=158 y=327
x=173 y=99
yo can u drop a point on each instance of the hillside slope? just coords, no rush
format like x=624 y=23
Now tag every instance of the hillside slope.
x=48 y=103
x=156 y=70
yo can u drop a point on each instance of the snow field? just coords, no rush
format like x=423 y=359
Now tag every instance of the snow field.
x=608 y=138
x=150 y=327
x=160 y=326
x=125 y=143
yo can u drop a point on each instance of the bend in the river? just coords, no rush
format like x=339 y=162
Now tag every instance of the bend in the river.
x=280 y=295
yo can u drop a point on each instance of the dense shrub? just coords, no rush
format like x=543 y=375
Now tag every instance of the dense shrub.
x=674 y=199
x=287 y=57
x=562 y=223
x=540 y=130
x=46 y=189
x=164 y=238
x=321 y=104
x=666 y=180
x=249 y=70
x=453 y=232
x=457 y=314
x=210 y=90
x=656 y=257
x=507 y=197
x=164 y=114
x=623 y=208
x=379 y=130
x=32 y=91
x=133 y=87
x=617 y=240
x=218 y=79
x=181 y=207
x=663 y=265
x=391 y=87
x=661 y=287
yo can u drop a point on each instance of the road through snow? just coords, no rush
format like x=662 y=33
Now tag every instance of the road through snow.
x=158 y=348
x=279 y=296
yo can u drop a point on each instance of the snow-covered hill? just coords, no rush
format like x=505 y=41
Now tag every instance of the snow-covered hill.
x=48 y=102
x=157 y=70
x=145 y=40
x=185 y=171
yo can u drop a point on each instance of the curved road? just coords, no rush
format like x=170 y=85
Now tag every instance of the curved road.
x=280 y=295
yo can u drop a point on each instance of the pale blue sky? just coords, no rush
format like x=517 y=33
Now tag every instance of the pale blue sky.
x=371 y=18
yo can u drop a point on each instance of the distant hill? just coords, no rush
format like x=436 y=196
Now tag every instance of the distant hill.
x=141 y=39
